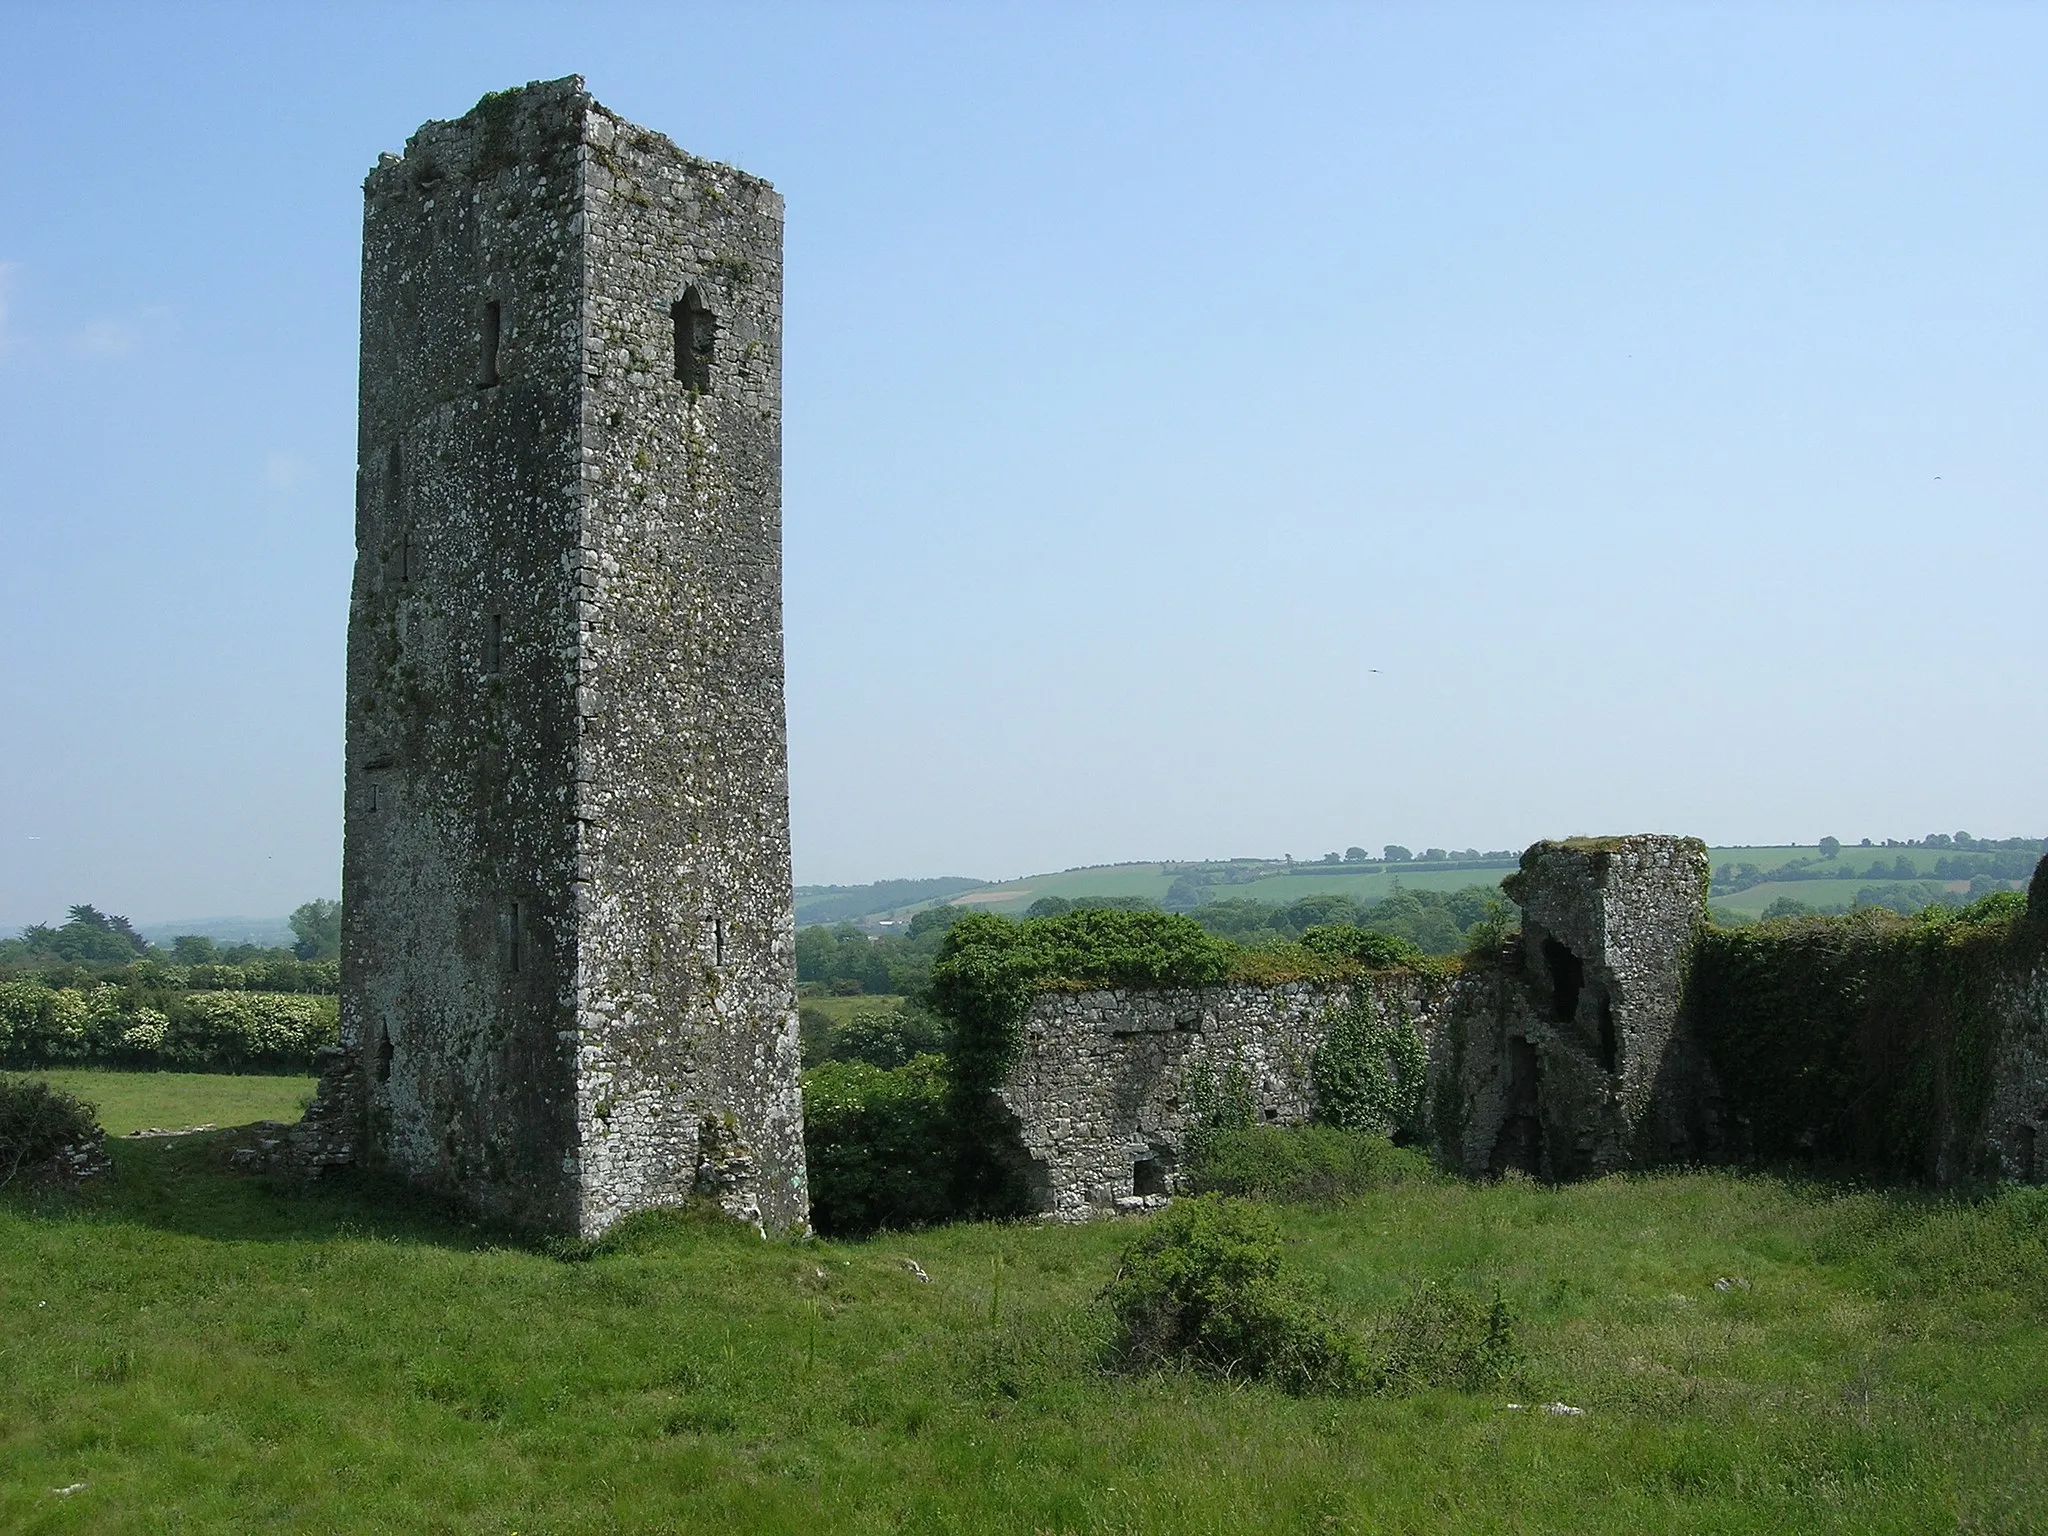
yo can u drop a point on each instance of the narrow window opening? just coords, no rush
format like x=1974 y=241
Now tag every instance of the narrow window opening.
x=1610 y=1047
x=494 y=645
x=1567 y=980
x=405 y=556
x=394 y=478
x=718 y=939
x=512 y=946
x=696 y=339
x=2030 y=1169
x=384 y=1055
x=370 y=799
x=494 y=315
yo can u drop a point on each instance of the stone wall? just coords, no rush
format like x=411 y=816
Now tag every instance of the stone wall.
x=1565 y=1056
x=1103 y=1093
x=568 y=959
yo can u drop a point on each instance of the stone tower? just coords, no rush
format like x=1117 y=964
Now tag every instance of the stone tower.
x=568 y=962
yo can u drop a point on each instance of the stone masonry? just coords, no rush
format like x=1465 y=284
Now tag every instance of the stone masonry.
x=568 y=965
x=1104 y=1092
x=1566 y=1057
x=1571 y=1057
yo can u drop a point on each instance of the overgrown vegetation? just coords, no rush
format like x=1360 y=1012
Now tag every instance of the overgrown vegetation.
x=38 y=1121
x=879 y=1143
x=1301 y=1163
x=1864 y=1040
x=1371 y=1073
x=1202 y=1285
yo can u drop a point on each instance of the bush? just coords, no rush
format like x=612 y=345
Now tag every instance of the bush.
x=1202 y=1286
x=1371 y=1072
x=879 y=1145
x=1373 y=951
x=37 y=1122
x=1311 y=1162
x=1441 y=1338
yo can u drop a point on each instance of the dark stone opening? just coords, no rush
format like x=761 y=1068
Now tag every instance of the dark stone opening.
x=1149 y=1176
x=494 y=645
x=494 y=319
x=1610 y=1047
x=512 y=938
x=696 y=339
x=2024 y=1153
x=1520 y=1142
x=384 y=1054
x=1567 y=981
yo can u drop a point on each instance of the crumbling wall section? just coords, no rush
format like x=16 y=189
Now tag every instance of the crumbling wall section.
x=1108 y=1085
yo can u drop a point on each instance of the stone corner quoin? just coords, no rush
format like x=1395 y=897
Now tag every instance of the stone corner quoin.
x=568 y=964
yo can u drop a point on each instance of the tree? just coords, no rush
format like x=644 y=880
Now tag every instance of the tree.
x=1830 y=846
x=1396 y=854
x=317 y=925
x=1355 y=855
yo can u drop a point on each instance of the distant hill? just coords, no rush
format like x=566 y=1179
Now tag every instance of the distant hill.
x=1746 y=879
x=272 y=932
x=851 y=903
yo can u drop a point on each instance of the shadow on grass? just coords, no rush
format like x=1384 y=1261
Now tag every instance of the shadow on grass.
x=183 y=1184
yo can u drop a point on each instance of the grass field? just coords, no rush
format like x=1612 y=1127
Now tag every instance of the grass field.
x=842 y=1009
x=1371 y=882
x=135 y=1101
x=201 y=1351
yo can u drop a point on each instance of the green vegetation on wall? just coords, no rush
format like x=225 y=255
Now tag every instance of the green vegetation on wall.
x=1865 y=1039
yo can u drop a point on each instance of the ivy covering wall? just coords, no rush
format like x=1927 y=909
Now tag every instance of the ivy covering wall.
x=1869 y=1039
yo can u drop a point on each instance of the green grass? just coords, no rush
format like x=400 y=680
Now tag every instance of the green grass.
x=208 y=1352
x=842 y=1009
x=1369 y=882
x=135 y=1101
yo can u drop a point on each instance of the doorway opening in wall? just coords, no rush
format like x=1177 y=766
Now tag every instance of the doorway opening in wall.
x=1567 y=980
x=1150 y=1176
x=1519 y=1145
x=696 y=339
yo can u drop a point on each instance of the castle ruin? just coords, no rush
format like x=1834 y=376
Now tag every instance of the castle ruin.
x=568 y=965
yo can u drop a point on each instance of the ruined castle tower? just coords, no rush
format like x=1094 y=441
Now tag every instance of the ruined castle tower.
x=568 y=964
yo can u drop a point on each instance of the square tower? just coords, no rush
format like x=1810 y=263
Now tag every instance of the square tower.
x=1596 y=1066
x=568 y=959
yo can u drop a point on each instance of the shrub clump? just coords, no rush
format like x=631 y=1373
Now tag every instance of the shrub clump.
x=1444 y=1338
x=40 y=1124
x=1300 y=1163
x=879 y=1143
x=1203 y=1286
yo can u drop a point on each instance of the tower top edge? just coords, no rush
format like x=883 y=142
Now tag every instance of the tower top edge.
x=555 y=110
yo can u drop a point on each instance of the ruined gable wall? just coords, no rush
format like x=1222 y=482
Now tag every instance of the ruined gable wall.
x=1105 y=1082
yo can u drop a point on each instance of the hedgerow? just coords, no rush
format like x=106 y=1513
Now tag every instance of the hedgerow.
x=207 y=1031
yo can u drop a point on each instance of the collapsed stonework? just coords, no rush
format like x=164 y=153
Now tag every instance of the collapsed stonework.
x=1577 y=1050
x=568 y=960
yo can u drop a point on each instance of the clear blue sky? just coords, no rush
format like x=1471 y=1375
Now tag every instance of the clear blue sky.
x=1654 y=396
